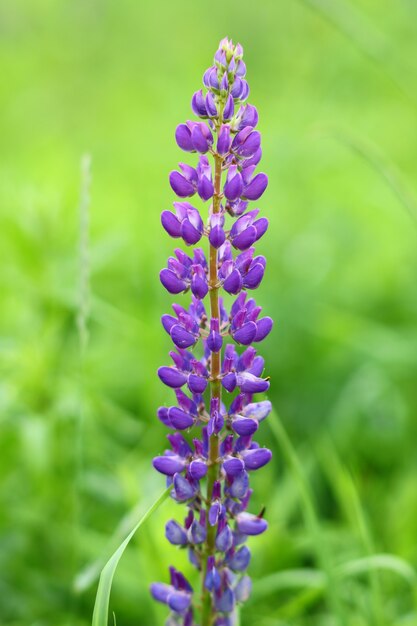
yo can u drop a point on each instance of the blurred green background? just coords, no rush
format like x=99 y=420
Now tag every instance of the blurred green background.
x=335 y=84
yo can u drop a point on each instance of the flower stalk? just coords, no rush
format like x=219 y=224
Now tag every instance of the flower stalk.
x=216 y=392
x=212 y=446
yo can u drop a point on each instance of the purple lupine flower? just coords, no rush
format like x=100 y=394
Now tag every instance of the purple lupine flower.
x=211 y=475
x=184 y=183
x=247 y=229
x=187 y=223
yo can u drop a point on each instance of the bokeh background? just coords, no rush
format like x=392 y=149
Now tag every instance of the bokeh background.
x=335 y=83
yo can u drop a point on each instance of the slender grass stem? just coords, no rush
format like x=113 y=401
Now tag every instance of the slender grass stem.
x=311 y=519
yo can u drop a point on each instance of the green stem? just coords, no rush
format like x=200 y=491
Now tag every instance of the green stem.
x=215 y=392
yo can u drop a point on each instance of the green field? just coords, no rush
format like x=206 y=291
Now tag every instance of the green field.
x=335 y=83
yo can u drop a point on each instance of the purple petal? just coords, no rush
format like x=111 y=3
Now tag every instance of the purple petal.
x=249 y=383
x=263 y=328
x=243 y=589
x=189 y=233
x=199 y=287
x=240 y=560
x=240 y=485
x=183 y=138
x=245 y=91
x=261 y=226
x=245 y=334
x=171 y=224
x=232 y=284
x=179 y=601
x=214 y=512
x=253 y=160
x=171 y=282
x=198 y=105
x=215 y=424
x=183 y=489
x=249 y=117
x=253 y=278
x=229 y=382
x=175 y=533
x=241 y=68
x=169 y=464
x=171 y=377
x=229 y=108
x=163 y=416
x=197 y=384
x=233 y=466
x=245 y=426
x=181 y=337
x=234 y=184
x=179 y=418
x=250 y=145
x=226 y=601
x=197 y=469
x=212 y=580
x=257 y=410
x=256 y=458
x=210 y=105
x=217 y=236
x=245 y=239
x=205 y=188
x=197 y=533
x=224 y=140
x=249 y=524
x=224 y=540
x=180 y=185
x=168 y=321
x=257 y=366
x=199 y=141
x=214 y=342
x=160 y=592
x=256 y=187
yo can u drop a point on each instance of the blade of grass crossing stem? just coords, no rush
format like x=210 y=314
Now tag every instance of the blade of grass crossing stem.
x=101 y=606
x=288 y=579
x=315 y=579
x=365 y=37
x=381 y=165
x=310 y=516
x=347 y=495
x=300 y=604
x=91 y=572
x=387 y=562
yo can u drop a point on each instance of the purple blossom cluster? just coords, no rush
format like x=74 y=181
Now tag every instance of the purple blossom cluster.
x=212 y=451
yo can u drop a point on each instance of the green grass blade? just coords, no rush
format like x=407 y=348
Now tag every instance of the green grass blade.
x=310 y=515
x=289 y=579
x=91 y=572
x=101 y=606
x=349 y=501
x=383 y=166
x=380 y=561
x=365 y=37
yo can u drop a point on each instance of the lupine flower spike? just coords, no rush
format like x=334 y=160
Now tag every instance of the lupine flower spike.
x=212 y=450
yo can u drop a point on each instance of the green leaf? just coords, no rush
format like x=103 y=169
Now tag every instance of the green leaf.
x=379 y=561
x=310 y=515
x=289 y=579
x=381 y=164
x=101 y=606
x=350 y=21
x=316 y=579
x=91 y=572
